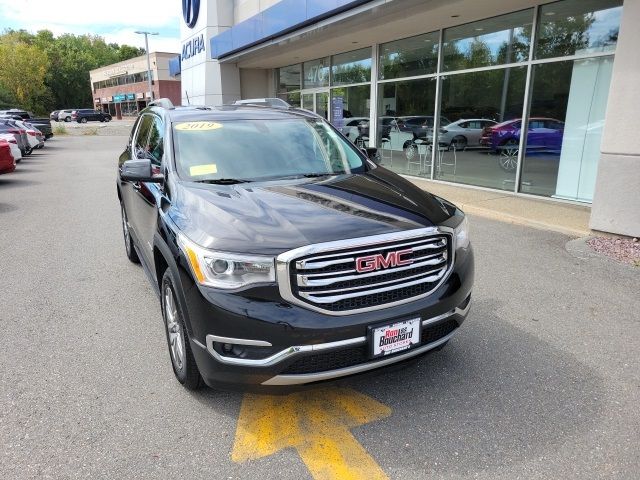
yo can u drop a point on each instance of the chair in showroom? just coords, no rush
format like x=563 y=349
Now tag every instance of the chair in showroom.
x=443 y=149
x=386 y=153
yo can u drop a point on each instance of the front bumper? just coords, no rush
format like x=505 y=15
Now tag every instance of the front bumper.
x=276 y=343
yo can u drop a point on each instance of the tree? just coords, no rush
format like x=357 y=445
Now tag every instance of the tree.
x=44 y=72
x=23 y=71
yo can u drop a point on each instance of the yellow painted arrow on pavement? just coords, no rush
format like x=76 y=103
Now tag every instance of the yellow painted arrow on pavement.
x=316 y=423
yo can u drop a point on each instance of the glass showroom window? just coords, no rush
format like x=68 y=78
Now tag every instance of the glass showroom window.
x=409 y=57
x=568 y=106
x=351 y=67
x=307 y=101
x=477 y=109
x=350 y=108
x=405 y=124
x=578 y=27
x=494 y=41
x=289 y=80
x=569 y=98
x=316 y=73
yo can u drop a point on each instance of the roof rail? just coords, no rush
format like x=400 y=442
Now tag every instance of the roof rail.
x=263 y=102
x=162 y=103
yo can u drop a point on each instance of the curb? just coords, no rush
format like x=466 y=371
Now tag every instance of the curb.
x=527 y=222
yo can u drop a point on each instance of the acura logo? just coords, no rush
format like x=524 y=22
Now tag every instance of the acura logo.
x=371 y=263
x=190 y=10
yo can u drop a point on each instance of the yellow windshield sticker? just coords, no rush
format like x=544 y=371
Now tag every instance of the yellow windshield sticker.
x=198 y=126
x=197 y=170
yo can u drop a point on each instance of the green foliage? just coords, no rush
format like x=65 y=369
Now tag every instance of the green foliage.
x=60 y=130
x=41 y=72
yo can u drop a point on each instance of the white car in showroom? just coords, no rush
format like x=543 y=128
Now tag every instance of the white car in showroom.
x=350 y=128
x=464 y=132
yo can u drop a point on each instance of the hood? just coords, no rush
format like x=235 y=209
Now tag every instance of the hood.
x=272 y=217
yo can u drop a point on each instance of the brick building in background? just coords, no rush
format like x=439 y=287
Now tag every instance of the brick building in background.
x=122 y=88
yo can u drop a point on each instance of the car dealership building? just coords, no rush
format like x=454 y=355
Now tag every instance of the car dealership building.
x=123 y=88
x=444 y=88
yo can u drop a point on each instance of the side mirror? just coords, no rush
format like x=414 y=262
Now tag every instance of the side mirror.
x=372 y=154
x=139 y=171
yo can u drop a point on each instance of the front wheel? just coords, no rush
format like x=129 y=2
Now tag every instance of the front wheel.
x=182 y=360
x=459 y=142
x=132 y=255
x=107 y=119
x=508 y=159
x=83 y=120
x=67 y=119
x=410 y=150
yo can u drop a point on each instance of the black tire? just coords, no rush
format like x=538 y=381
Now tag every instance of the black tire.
x=129 y=249
x=67 y=119
x=410 y=150
x=83 y=120
x=102 y=120
x=28 y=151
x=184 y=367
x=459 y=141
x=107 y=119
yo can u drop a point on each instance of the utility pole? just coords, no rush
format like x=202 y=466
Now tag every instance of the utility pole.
x=146 y=45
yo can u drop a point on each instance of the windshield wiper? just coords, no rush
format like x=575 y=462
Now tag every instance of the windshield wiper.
x=223 y=181
x=310 y=175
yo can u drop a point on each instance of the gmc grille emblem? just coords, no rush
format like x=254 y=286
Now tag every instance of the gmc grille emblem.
x=372 y=263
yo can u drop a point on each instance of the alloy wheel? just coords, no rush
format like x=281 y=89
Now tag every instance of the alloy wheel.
x=125 y=232
x=174 y=328
x=410 y=152
x=509 y=156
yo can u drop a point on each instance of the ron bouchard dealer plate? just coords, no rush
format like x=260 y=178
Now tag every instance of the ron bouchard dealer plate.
x=396 y=337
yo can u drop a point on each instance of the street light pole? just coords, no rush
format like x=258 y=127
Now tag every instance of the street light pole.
x=146 y=45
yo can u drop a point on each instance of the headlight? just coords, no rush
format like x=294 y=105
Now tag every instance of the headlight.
x=226 y=270
x=462 y=234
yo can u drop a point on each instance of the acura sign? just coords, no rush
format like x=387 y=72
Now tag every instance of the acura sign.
x=190 y=11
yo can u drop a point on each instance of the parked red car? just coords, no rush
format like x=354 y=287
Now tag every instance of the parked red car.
x=7 y=162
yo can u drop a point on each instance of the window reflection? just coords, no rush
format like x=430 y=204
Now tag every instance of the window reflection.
x=409 y=57
x=289 y=78
x=575 y=27
x=351 y=67
x=495 y=41
x=568 y=105
x=350 y=112
x=316 y=73
x=405 y=125
x=479 y=105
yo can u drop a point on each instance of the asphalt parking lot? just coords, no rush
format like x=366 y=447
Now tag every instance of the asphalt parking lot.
x=542 y=381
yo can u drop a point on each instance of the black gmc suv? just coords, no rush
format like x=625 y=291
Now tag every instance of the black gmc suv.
x=280 y=253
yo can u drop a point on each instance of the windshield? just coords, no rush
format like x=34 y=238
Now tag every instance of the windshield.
x=261 y=149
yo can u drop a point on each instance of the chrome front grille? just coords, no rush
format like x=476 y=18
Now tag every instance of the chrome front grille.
x=334 y=277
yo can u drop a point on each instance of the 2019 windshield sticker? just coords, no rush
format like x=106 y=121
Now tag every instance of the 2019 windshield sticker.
x=198 y=126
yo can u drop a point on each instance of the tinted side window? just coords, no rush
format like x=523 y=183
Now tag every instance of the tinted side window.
x=142 y=137
x=155 y=147
x=464 y=125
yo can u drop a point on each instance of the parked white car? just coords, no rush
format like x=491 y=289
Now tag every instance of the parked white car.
x=13 y=145
x=464 y=132
x=350 y=128
x=64 y=115
x=32 y=134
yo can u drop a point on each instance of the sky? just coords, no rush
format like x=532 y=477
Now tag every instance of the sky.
x=115 y=20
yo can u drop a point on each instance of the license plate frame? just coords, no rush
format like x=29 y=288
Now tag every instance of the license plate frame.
x=376 y=332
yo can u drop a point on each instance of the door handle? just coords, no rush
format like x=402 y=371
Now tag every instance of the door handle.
x=137 y=185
